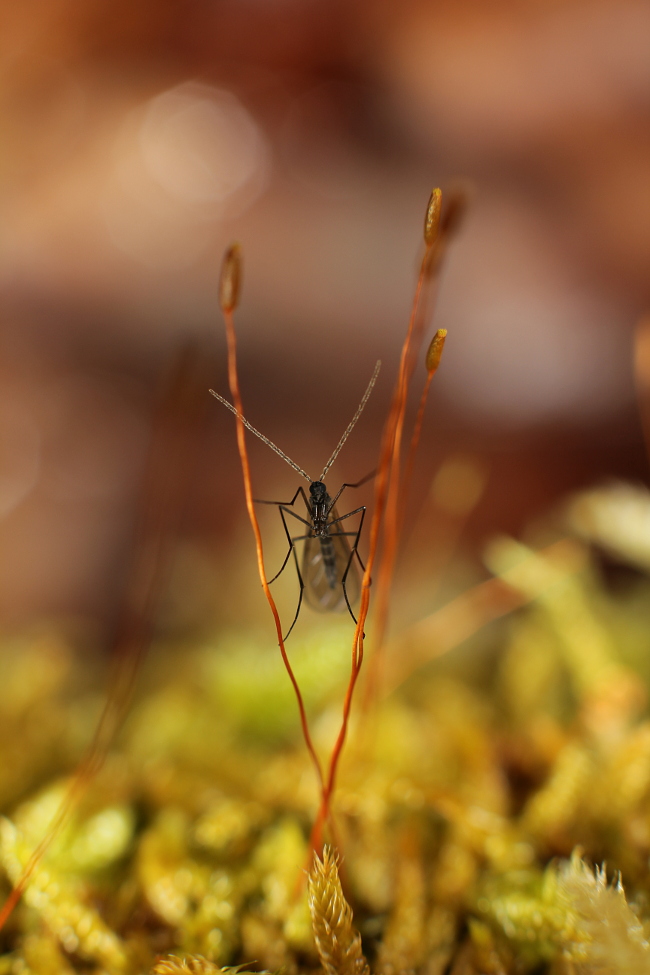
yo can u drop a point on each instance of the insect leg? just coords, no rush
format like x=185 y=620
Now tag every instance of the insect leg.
x=287 y=504
x=354 y=549
x=356 y=485
x=298 y=538
x=290 y=540
x=294 y=515
x=363 y=480
x=356 y=552
x=356 y=544
x=282 y=508
x=362 y=509
x=349 y=515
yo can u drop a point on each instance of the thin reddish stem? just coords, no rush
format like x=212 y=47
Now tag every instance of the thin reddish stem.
x=415 y=441
x=389 y=458
x=233 y=380
x=390 y=461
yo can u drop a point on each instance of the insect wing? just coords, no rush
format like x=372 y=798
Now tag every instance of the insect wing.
x=324 y=563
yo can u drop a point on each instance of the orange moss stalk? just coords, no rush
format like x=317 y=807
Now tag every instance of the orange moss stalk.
x=391 y=451
x=385 y=487
x=432 y=361
x=439 y=228
x=229 y=288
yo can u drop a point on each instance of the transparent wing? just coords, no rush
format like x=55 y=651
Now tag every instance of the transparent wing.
x=324 y=563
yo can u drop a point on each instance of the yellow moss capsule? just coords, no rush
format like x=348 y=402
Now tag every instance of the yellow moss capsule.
x=434 y=352
x=230 y=282
x=432 y=217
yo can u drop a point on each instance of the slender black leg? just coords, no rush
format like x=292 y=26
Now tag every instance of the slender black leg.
x=287 y=504
x=286 y=558
x=282 y=508
x=356 y=485
x=294 y=515
x=347 y=568
x=356 y=550
x=285 y=508
x=349 y=515
x=292 y=548
x=300 y=582
x=363 y=480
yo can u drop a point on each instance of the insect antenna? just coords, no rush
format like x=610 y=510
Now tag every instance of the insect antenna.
x=269 y=443
x=351 y=424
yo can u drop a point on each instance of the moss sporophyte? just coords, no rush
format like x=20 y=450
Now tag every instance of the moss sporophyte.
x=470 y=807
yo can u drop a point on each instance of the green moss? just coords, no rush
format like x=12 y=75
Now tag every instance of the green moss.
x=457 y=810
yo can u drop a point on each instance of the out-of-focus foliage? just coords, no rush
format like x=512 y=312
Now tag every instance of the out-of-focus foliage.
x=475 y=811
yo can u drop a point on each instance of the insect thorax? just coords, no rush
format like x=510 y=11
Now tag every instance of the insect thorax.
x=321 y=504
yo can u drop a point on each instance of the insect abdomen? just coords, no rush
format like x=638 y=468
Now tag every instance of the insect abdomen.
x=329 y=561
x=326 y=559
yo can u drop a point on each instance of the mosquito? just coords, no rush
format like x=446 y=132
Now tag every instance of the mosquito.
x=329 y=580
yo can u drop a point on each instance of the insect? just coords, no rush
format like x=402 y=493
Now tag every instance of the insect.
x=329 y=579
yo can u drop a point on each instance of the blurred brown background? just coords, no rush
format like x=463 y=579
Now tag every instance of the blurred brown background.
x=138 y=140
